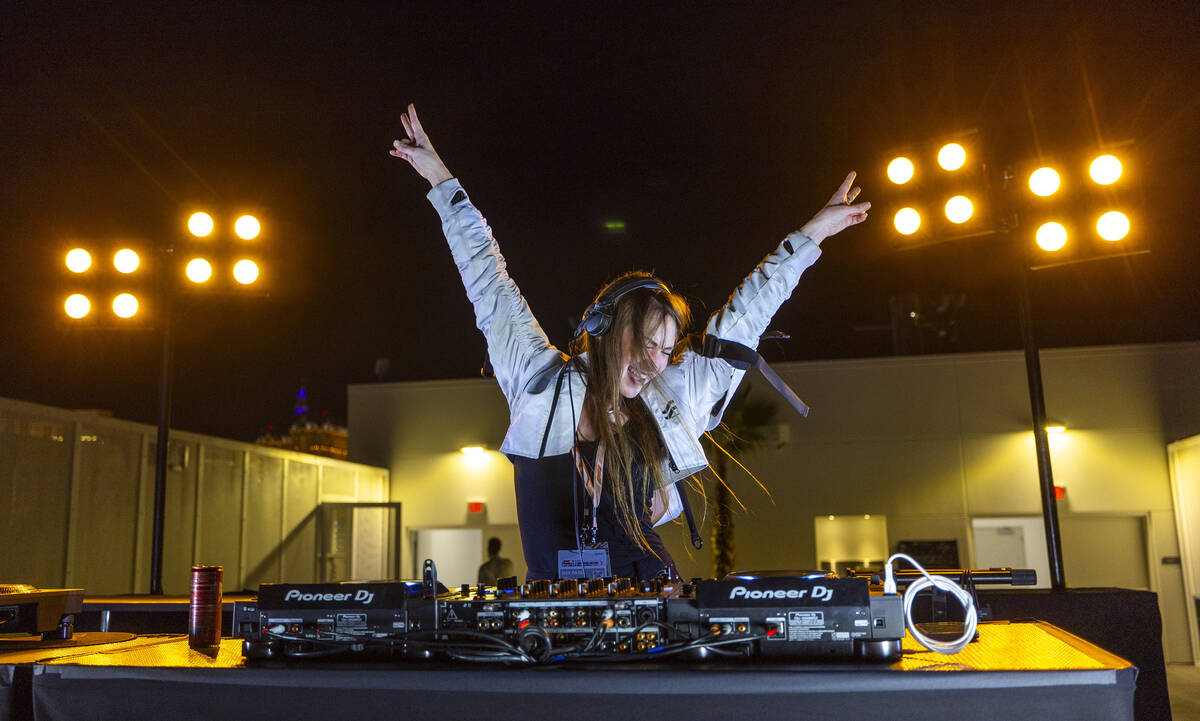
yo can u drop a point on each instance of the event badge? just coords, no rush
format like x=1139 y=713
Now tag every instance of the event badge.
x=583 y=563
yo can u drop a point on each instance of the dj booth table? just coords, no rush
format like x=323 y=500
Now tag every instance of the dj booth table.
x=1015 y=669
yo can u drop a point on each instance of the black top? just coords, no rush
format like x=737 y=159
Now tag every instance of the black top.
x=547 y=518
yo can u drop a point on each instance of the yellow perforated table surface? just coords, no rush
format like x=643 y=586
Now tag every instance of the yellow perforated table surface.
x=1004 y=646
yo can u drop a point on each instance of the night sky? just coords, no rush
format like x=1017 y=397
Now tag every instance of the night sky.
x=709 y=130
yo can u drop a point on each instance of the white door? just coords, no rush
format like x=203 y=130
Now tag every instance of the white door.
x=457 y=553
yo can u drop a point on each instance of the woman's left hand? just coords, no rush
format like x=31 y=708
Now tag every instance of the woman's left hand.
x=838 y=214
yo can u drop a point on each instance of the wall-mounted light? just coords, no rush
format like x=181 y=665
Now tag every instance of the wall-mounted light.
x=1056 y=435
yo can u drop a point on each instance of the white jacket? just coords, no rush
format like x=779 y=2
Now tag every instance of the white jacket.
x=689 y=398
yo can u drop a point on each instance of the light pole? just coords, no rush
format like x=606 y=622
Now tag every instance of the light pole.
x=239 y=272
x=1055 y=225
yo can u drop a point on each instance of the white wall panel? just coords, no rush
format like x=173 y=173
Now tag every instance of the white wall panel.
x=263 y=522
x=338 y=484
x=179 y=522
x=300 y=523
x=104 y=510
x=106 y=488
x=35 y=488
x=219 y=511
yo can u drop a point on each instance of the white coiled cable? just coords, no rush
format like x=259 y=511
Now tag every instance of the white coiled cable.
x=940 y=582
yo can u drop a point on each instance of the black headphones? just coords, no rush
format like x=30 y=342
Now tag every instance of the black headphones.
x=599 y=315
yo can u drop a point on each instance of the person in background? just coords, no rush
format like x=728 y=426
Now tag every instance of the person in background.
x=496 y=567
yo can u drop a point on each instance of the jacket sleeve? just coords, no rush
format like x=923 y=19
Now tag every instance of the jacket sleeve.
x=744 y=318
x=516 y=344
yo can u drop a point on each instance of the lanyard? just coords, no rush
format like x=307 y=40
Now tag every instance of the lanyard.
x=592 y=481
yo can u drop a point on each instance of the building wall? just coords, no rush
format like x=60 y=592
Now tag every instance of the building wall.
x=931 y=442
x=78 y=494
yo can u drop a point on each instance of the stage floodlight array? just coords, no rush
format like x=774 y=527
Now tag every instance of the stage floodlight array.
x=937 y=191
x=111 y=282
x=221 y=260
x=104 y=282
x=1077 y=206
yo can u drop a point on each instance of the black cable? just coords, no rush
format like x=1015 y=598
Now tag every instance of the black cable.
x=575 y=456
x=500 y=647
x=479 y=647
x=326 y=653
x=474 y=635
x=484 y=659
x=710 y=645
x=600 y=629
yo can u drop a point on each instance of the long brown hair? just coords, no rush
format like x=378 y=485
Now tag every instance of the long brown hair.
x=642 y=312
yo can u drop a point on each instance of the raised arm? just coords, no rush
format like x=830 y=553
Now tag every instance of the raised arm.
x=517 y=346
x=748 y=312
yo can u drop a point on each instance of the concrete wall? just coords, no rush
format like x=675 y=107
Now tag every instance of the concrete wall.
x=931 y=442
x=77 y=493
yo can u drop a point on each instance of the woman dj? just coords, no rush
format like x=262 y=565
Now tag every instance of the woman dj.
x=617 y=422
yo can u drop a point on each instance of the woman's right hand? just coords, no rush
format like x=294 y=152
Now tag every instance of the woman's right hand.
x=418 y=151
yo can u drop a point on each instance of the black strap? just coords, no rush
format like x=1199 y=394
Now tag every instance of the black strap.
x=585 y=533
x=742 y=357
x=697 y=541
x=553 y=405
